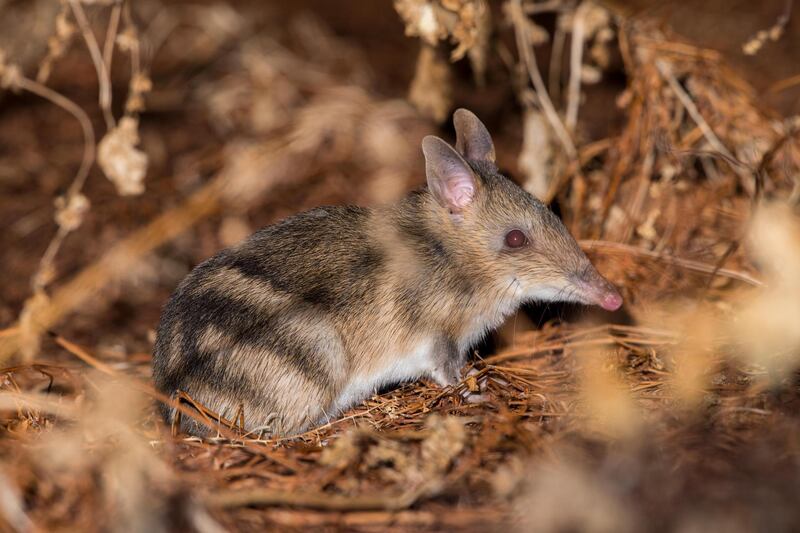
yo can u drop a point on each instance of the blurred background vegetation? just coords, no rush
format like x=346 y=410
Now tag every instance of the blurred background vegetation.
x=138 y=138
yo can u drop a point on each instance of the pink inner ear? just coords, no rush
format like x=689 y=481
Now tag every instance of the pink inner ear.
x=457 y=191
x=450 y=178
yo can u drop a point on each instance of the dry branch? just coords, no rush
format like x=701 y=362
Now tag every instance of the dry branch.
x=529 y=60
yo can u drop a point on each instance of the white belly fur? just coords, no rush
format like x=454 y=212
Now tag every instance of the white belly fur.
x=417 y=362
x=402 y=367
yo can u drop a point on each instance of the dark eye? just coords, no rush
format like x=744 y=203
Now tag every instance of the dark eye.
x=516 y=239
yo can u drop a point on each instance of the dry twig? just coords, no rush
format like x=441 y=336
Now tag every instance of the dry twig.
x=529 y=60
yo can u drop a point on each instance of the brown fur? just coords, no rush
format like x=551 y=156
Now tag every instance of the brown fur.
x=309 y=315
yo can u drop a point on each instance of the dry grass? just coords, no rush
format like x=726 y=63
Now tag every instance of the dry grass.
x=679 y=414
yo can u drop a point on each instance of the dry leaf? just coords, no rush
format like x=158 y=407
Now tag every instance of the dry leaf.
x=466 y=23
x=535 y=157
x=431 y=89
x=70 y=212
x=121 y=161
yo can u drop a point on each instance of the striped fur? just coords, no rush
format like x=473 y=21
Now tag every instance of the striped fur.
x=311 y=315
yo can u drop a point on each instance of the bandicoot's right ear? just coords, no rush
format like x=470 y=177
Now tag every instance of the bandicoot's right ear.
x=472 y=138
x=450 y=179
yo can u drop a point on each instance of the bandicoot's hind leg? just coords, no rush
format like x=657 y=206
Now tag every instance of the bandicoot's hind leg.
x=232 y=341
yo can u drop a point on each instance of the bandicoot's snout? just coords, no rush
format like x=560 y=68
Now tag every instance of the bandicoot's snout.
x=611 y=300
x=595 y=289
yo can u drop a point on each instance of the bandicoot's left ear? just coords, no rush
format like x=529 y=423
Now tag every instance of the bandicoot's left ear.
x=450 y=179
x=472 y=138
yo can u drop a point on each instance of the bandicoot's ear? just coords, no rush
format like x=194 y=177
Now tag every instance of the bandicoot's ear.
x=450 y=179
x=472 y=138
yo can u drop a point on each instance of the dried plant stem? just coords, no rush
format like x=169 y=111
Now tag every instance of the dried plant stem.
x=83 y=172
x=328 y=502
x=103 y=78
x=58 y=46
x=690 y=264
x=761 y=172
x=535 y=8
x=785 y=83
x=85 y=356
x=666 y=72
x=135 y=52
x=754 y=44
x=38 y=401
x=80 y=115
x=466 y=519
x=111 y=35
x=556 y=57
x=529 y=59
x=576 y=64
x=40 y=277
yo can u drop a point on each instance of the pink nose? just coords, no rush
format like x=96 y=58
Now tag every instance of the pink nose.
x=595 y=289
x=611 y=301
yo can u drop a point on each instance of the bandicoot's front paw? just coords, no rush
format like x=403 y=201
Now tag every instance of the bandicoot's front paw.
x=447 y=375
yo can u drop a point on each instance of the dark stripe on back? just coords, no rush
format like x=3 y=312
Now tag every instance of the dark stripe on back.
x=323 y=257
x=242 y=324
x=248 y=325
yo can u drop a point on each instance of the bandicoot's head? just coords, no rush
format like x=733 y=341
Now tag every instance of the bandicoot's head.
x=510 y=235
